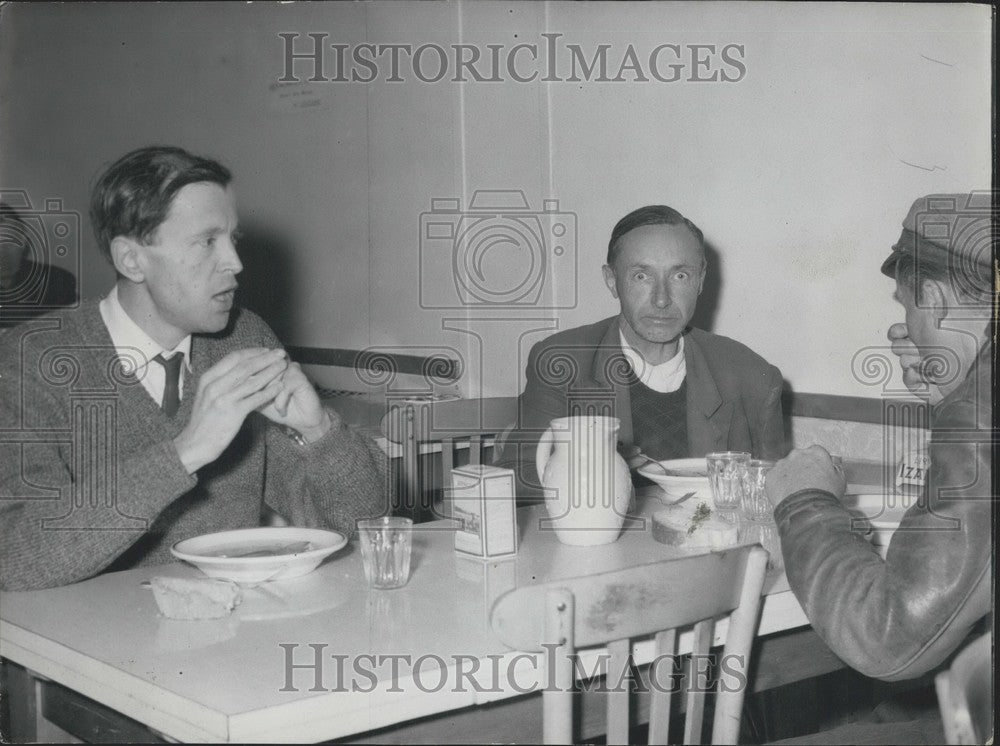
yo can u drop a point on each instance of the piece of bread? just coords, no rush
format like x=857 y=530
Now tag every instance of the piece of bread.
x=681 y=528
x=195 y=598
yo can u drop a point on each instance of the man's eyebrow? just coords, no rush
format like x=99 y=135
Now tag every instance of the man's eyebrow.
x=672 y=268
x=213 y=230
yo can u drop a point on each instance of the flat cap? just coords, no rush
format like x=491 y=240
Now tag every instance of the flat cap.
x=949 y=231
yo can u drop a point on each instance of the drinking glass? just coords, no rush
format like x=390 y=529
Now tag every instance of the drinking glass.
x=765 y=534
x=385 y=550
x=756 y=506
x=725 y=474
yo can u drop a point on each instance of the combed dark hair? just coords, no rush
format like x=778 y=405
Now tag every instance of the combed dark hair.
x=648 y=215
x=132 y=198
x=972 y=283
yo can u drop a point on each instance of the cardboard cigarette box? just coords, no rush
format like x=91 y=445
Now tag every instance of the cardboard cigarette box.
x=483 y=505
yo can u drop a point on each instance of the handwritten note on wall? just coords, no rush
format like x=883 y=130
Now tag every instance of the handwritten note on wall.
x=298 y=97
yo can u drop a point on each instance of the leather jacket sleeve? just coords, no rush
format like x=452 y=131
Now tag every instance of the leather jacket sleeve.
x=900 y=617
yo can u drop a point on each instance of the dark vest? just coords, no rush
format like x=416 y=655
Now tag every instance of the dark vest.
x=659 y=421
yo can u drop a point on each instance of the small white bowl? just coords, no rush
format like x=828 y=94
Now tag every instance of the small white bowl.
x=883 y=511
x=670 y=476
x=207 y=552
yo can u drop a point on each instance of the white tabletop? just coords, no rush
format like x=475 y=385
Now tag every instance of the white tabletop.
x=226 y=679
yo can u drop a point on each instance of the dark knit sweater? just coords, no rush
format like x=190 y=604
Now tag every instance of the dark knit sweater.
x=659 y=421
x=89 y=474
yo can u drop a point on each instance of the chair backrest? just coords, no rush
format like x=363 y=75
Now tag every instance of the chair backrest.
x=448 y=426
x=613 y=607
x=965 y=694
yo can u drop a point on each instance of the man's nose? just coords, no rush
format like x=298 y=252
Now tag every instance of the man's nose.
x=231 y=259
x=661 y=294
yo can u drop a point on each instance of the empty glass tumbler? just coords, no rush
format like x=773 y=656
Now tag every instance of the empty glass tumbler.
x=385 y=550
x=756 y=506
x=725 y=474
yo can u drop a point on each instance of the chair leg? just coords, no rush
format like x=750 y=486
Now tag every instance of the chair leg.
x=557 y=699
x=697 y=681
x=618 y=701
x=661 y=687
x=21 y=703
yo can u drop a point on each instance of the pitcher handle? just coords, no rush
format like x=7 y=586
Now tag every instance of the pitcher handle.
x=543 y=452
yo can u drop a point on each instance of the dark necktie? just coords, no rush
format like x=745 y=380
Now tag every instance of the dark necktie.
x=171 y=391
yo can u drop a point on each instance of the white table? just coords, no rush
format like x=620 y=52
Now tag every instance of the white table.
x=228 y=680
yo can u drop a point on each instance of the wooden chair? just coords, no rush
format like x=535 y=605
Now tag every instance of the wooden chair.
x=452 y=427
x=965 y=694
x=612 y=607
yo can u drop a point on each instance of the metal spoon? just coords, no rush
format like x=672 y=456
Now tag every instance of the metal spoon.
x=644 y=457
x=679 y=500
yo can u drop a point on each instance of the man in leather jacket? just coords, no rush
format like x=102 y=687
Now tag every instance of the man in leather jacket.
x=901 y=617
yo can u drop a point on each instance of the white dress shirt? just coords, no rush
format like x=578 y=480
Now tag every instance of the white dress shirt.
x=665 y=377
x=137 y=349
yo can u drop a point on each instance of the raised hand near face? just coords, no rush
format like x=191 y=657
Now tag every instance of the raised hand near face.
x=231 y=389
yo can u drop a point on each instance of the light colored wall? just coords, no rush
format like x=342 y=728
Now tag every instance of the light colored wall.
x=858 y=441
x=799 y=174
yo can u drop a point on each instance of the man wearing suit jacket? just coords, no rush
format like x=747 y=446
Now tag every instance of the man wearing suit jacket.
x=678 y=391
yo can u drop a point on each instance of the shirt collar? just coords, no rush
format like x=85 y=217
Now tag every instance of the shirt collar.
x=666 y=376
x=129 y=336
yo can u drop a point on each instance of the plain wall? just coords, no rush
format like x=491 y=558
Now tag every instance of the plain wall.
x=799 y=173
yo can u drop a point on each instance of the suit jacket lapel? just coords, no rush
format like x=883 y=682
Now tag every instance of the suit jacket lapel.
x=610 y=371
x=708 y=416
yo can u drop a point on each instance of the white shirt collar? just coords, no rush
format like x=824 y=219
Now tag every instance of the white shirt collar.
x=128 y=337
x=665 y=377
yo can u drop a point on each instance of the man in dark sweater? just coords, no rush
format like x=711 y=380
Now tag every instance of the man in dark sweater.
x=162 y=411
x=678 y=391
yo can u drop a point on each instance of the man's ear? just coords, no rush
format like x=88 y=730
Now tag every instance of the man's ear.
x=934 y=298
x=125 y=257
x=609 y=279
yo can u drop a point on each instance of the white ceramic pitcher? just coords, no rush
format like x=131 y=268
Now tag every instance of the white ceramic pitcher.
x=587 y=483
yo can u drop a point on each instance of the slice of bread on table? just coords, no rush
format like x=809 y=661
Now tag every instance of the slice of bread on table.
x=701 y=528
x=195 y=598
